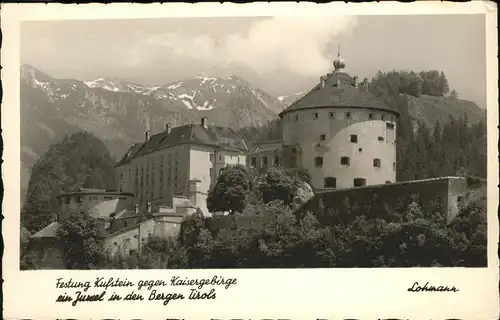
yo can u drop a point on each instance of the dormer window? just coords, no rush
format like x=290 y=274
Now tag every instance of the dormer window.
x=322 y=137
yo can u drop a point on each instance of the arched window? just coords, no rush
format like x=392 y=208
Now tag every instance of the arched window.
x=330 y=182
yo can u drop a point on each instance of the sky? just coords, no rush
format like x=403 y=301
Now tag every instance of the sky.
x=279 y=55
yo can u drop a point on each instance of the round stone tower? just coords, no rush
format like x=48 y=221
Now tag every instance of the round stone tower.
x=340 y=133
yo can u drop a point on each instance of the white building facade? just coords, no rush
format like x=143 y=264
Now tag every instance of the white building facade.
x=185 y=160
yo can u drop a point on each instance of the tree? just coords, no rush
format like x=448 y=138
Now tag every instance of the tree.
x=80 y=236
x=66 y=165
x=230 y=191
x=454 y=94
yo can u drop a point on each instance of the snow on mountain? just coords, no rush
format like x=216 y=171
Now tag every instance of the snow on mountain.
x=288 y=100
x=55 y=89
x=120 y=85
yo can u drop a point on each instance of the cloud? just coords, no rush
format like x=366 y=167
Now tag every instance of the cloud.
x=279 y=43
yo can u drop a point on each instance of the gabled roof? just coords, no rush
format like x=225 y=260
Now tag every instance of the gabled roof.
x=222 y=137
x=130 y=153
x=332 y=95
x=49 y=231
x=266 y=146
x=105 y=209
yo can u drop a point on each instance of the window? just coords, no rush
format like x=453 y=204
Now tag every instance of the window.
x=264 y=162
x=121 y=176
x=211 y=157
x=345 y=161
x=331 y=115
x=254 y=161
x=359 y=182
x=220 y=156
x=135 y=236
x=370 y=116
x=382 y=117
x=67 y=200
x=360 y=149
x=108 y=198
x=381 y=139
x=322 y=137
x=315 y=115
x=318 y=162
x=394 y=166
x=388 y=181
x=354 y=138
x=390 y=126
x=125 y=224
x=348 y=115
x=211 y=172
x=79 y=199
x=121 y=189
x=330 y=182
x=296 y=118
x=376 y=163
x=276 y=161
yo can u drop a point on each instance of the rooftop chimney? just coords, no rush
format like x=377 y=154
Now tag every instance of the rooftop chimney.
x=167 y=128
x=204 y=121
x=147 y=135
x=149 y=206
x=322 y=81
x=136 y=208
x=355 y=82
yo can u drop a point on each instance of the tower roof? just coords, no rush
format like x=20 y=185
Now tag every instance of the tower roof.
x=339 y=89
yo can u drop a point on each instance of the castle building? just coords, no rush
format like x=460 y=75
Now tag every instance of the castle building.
x=340 y=133
x=184 y=160
x=265 y=155
x=101 y=203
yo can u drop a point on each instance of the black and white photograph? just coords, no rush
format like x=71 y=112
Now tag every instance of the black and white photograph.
x=355 y=141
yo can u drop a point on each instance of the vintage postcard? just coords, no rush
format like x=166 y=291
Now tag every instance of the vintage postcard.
x=257 y=161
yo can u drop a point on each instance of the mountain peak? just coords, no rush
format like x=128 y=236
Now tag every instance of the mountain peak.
x=32 y=74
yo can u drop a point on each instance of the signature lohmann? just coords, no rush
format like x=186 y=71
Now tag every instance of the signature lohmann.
x=416 y=287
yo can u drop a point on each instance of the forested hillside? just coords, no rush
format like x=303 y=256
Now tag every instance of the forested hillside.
x=79 y=160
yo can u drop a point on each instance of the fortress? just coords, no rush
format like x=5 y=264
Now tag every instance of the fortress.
x=339 y=132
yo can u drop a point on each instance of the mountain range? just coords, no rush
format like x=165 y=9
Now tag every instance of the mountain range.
x=119 y=111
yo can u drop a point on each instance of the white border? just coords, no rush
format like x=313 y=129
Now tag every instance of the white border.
x=292 y=294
